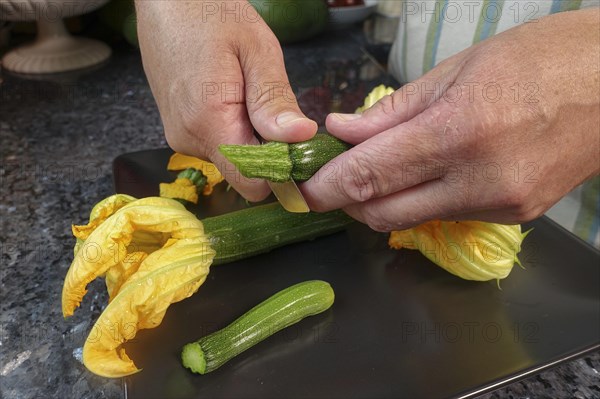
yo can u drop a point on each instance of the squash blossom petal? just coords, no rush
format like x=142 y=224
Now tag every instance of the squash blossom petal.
x=183 y=189
x=471 y=250
x=186 y=186
x=153 y=252
x=108 y=245
x=143 y=242
x=100 y=212
x=166 y=276
x=375 y=95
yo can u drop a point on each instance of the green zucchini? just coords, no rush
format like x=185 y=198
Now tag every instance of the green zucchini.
x=281 y=162
x=259 y=229
x=281 y=310
x=309 y=156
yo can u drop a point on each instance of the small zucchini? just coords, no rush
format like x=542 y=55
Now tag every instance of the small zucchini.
x=281 y=310
x=281 y=162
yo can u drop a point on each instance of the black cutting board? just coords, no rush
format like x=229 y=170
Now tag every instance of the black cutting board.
x=400 y=326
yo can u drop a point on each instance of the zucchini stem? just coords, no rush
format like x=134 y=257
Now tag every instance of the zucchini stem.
x=281 y=162
x=269 y=161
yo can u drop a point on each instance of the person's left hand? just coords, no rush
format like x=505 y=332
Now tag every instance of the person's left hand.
x=499 y=133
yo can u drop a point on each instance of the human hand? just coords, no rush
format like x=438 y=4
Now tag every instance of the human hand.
x=499 y=132
x=216 y=71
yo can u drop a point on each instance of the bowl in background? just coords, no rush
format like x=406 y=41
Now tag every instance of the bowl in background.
x=54 y=50
x=342 y=17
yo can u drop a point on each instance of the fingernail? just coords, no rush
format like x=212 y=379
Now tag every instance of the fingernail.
x=347 y=117
x=288 y=118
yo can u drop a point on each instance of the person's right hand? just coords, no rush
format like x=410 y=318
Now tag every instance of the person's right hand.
x=217 y=73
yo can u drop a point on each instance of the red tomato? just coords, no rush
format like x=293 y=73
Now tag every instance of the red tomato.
x=345 y=3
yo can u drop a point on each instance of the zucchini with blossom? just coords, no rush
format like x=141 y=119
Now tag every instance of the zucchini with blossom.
x=153 y=252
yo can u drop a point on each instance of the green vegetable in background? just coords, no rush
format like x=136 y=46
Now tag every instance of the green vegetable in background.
x=293 y=20
x=119 y=16
x=130 y=30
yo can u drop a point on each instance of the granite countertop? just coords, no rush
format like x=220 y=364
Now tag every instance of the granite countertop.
x=59 y=138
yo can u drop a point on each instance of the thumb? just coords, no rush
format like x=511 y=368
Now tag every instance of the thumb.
x=271 y=103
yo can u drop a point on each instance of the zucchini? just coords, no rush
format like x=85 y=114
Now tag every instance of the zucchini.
x=281 y=310
x=259 y=229
x=168 y=253
x=281 y=162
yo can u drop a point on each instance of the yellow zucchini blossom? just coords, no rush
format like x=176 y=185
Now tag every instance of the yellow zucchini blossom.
x=375 y=95
x=100 y=212
x=152 y=252
x=471 y=250
x=180 y=162
x=181 y=188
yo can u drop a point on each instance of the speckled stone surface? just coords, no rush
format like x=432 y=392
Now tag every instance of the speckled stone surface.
x=58 y=140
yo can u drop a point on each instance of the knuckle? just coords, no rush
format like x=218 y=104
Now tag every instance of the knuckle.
x=530 y=211
x=273 y=97
x=319 y=207
x=360 y=182
x=373 y=215
x=265 y=98
x=536 y=116
x=523 y=204
x=463 y=193
x=456 y=134
x=379 y=224
x=388 y=105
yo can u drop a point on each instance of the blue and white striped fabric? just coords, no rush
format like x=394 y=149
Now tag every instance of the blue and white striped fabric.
x=433 y=30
